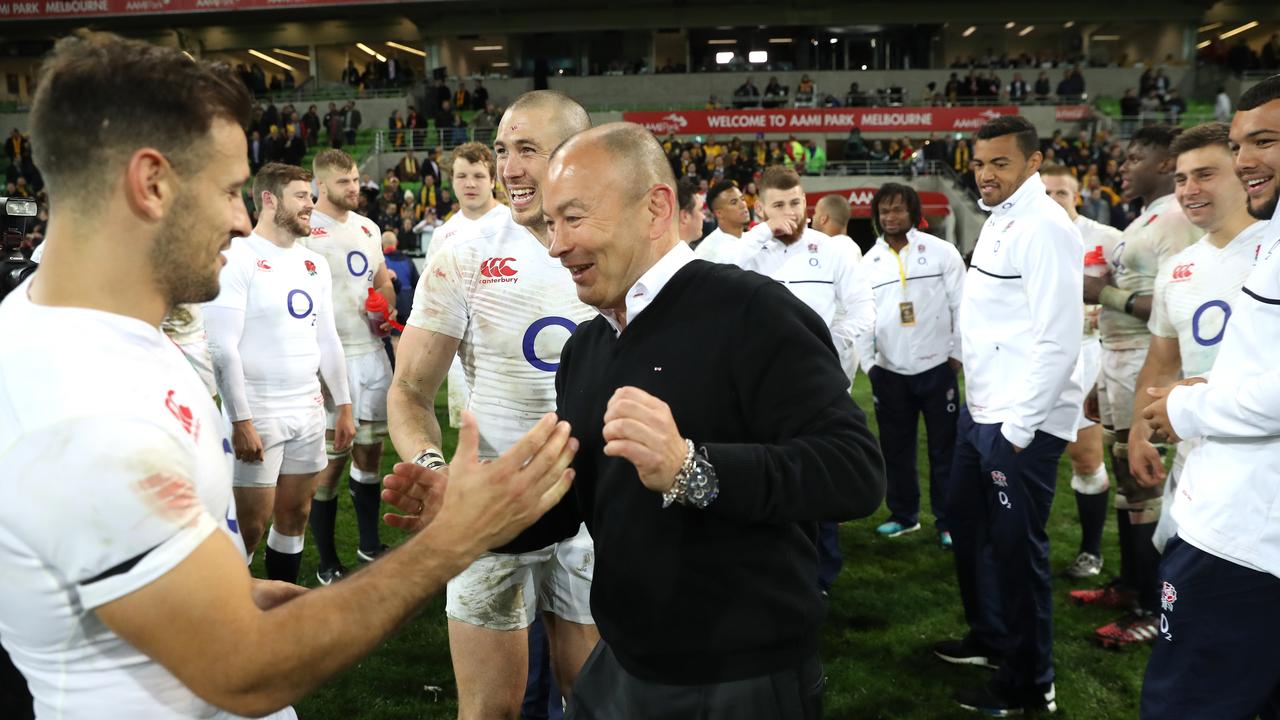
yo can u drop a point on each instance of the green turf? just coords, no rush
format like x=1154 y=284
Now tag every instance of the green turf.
x=892 y=601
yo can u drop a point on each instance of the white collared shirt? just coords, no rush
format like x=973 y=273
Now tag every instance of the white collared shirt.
x=823 y=273
x=651 y=283
x=1020 y=318
x=933 y=284
x=721 y=247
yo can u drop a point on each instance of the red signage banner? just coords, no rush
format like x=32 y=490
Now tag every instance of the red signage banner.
x=53 y=9
x=932 y=203
x=1072 y=113
x=823 y=120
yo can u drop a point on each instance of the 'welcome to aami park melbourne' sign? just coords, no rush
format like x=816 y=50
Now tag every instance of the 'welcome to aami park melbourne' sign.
x=788 y=120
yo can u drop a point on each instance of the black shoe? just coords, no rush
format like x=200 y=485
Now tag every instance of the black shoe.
x=330 y=575
x=366 y=556
x=967 y=652
x=996 y=700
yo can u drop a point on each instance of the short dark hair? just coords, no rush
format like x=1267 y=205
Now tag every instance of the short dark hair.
x=102 y=97
x=685 y=193
x=1200 y=136
x=1027 y=138
x=1260 y=94
x=889 y=191
x=1156 y=137
x=714 y=192
x=273 y=177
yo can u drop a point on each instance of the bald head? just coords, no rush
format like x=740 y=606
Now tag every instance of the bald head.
x=832 y=214
x=634 y=150
x=566 y=116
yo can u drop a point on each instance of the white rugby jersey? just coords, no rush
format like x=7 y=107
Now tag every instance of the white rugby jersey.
x=1229 y=491
x=459 y=224
x=285 y=295
x=115 y=469
x=1195 y=291
x=1160 y=232
x=823 y=273
x=1020 y=318
x=353 y=250
x=933 y=284
x=1095 y=235
x=512 y=306
x=721 y=247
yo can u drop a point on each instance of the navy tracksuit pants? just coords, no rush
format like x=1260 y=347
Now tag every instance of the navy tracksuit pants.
x=1218 y=653
x=998 y=507
x=900 y=401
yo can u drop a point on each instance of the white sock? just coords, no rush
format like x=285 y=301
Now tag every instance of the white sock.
x=287 y=544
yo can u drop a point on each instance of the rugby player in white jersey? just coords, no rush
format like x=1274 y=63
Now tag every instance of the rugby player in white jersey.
x=352 y=246
x=271 y=329
x=726 y=243
x=1193 y=301
x=823 y=273
x=831 y=217
x=474 y=175
x=1089 y=479
x=126 y=588
x=495 y=298
x=1156 y=235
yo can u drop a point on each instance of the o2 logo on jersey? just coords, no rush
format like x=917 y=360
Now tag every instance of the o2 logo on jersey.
x=1117 y=255
x=357 y=259
x=530 y=342
x=1199 y=315
x=300 y=305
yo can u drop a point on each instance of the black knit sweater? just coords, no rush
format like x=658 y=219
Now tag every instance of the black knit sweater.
x=687 y=596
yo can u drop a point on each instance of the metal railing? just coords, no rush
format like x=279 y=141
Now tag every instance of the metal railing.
x=912 y=166
x=386 y=140
x=309 y=92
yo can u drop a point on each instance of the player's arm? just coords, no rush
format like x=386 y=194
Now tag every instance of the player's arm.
x=1052 y=280
x=1162 y=367
x=382 y=283
x=953 y=281
x=224 y=327
x=333 y=366
x=1229 y=406
x=199 y=620
x=427 y=347
x=855 y=317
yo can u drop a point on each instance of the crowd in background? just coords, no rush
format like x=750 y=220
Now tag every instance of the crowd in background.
x=23 y=180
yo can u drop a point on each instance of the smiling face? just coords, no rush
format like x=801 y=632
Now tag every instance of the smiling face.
x=292 y=211
x=1207 y=188
x=525 y=139
x=186 y=255
x=1000 y=167
x=1255 y=141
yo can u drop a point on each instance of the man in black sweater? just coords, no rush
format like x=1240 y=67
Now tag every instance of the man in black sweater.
x=716 y=430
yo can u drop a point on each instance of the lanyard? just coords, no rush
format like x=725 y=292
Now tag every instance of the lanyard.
x=902 y=271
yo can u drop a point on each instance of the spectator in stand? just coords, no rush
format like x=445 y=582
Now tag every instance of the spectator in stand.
x=1146 y=82
x=1222 y=106
x=444 y=119
x=961 y=156
x=311 y=126
x=1160 y=83
x=486 y=120
x=855 y=97
x=747 y=91
x=404 y=274
x=479 y=96
x=877 y=152
x=952 y=89
x=1174 y=107
x=333 y=126
x=774 y=93
x=1018 y=89
x=1130 y=110
x=396 y=125
x=408 y=169
x=817 y=158
x=1042 y=87
x=461 y=98
x=273 y=145
x=256 y=158
x=351 y=122
x=444 y=207
x=350 y=75
x=805 y=91
x=431 y=166
x=1152 y=108
x=14 y=145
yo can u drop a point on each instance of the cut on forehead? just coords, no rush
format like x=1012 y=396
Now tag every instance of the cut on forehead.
x=628 y=146
x=562 y=116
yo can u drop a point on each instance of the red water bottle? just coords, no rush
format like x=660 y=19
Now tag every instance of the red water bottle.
x=378 y=311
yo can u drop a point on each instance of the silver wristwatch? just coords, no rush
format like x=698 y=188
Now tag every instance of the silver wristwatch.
x=430 y=459
x=696 y=483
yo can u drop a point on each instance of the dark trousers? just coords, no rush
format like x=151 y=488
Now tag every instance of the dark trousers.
x=542 y=699
x=998 y=507
x=1218 y=653
x=606 y=691
x=15 y=698
x=830 y=559
x=900 y=401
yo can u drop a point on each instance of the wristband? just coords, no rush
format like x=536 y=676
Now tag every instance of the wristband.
x=430 y=459
x=1117 y=299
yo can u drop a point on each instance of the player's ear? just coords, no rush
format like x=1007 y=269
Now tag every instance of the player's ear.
x=150 y=184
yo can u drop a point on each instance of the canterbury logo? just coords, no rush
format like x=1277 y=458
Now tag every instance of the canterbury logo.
x=1182 y=272
x=497 y=268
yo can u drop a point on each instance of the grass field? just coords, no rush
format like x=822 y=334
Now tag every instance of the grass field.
x=892 y=601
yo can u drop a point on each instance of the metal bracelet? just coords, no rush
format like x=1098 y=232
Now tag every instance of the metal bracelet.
x=677 y=493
